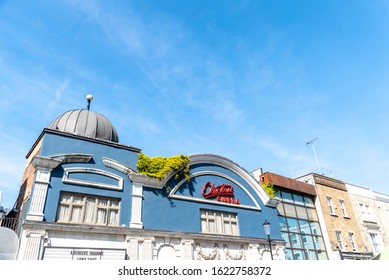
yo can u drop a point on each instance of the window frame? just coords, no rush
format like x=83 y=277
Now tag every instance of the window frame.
x=376 y=241
x=366 y=211
x=338 y=234
x=331 y=206
x=220 y=219
x=308 y=228
x=352 y=240
x=342 y=205
x=84 y=217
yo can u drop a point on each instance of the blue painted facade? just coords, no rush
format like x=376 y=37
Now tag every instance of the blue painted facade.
x=179 y=210
x=57 y=144
x=175 y=208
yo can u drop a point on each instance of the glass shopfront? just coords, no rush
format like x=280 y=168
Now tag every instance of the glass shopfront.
x=300 y=227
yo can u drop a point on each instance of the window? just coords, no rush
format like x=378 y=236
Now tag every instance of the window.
x=339 y=238
x=287 y=197
x=352 y=240
x=319 y=244
x=290 y=210
x=301 y=212
x=310 y=255
x=309 y=242
x=312 y=215
x=309 y=201
x=296 y=240
x=375 y=241
x=367 y=215
x=330 y=206
x=298 y=255
x=293 y=225
x=300 y=227
x=82 y=209
x=298 y=199
x=304 y=236
x=315 y=228
x=219 y=222
x=343 y=207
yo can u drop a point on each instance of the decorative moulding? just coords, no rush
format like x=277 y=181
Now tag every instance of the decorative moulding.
x=173 y=193
x=68 y=171
x=237 y=169
x=121 y=167
x=66 y=158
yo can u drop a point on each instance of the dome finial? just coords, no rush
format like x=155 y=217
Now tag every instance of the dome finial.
x=89 y=98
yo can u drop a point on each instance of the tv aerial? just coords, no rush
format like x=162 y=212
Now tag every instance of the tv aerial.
x=310 y=143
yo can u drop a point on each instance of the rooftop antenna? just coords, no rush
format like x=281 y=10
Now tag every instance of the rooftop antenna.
x=89 y=98
x=314 y=152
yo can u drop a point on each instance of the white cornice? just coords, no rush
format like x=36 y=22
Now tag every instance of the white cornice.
x=121 y=167
x=45 y=162
x=146 y=181
x=66 y=158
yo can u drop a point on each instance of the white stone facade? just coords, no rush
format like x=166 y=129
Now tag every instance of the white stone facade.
x=59 y=241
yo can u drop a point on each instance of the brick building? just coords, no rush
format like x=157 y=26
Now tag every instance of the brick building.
x=340 y=221
x=372 y=213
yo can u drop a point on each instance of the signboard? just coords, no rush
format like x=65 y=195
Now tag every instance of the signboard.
x=83 y=254
x=222 y=193
x=218 y=189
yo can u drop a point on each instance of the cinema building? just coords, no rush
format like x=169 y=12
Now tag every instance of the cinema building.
x=82 y=198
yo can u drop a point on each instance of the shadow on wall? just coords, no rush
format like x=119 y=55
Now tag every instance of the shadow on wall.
x=171 y=184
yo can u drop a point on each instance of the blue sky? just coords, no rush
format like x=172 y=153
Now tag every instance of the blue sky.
x=252 y=81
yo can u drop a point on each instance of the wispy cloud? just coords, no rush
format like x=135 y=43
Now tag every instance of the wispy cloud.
x=187 y=74
x=58 y=94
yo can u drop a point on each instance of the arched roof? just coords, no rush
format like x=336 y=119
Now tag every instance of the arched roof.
x=230 y=165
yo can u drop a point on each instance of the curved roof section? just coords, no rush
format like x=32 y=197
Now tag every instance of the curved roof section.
x=86 y=123
x=229 y=164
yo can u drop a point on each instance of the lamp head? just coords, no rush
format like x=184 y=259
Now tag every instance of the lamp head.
x=267 y=228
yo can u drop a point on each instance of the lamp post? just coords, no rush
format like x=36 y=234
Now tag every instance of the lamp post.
x=267 y=229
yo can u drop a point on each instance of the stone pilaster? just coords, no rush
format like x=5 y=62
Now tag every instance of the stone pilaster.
x=138 y=182
x=147 y=249
x=43 y=166
x=33 y=245
x=187 y=249
x=133 y=248
x=136 y=206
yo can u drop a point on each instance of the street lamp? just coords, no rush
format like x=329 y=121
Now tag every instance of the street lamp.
x=267 y=229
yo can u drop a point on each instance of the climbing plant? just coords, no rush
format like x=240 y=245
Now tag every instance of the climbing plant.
x=269 y=189
x=160 y=167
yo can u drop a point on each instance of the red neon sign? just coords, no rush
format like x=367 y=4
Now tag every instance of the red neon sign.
x=223 y=193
